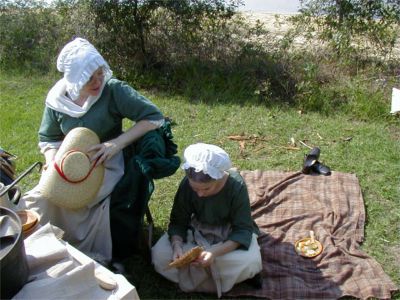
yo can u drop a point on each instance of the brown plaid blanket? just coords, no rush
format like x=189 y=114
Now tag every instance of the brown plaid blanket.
x=331 y=206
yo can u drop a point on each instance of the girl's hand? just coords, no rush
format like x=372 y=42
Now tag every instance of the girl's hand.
x=205 y=259
x=177 y=250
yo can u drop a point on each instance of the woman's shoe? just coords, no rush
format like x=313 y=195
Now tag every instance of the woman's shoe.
x=321 y=169
x=310 y=160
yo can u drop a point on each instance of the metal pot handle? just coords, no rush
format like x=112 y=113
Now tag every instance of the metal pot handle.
x=17 y=195
x=38 y=163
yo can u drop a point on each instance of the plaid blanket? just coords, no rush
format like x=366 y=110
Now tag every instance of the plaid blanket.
x=286 y=206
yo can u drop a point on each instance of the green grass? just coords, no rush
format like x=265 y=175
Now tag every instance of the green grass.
x=369 y=149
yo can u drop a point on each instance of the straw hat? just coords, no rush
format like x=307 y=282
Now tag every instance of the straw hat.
x=72 y=181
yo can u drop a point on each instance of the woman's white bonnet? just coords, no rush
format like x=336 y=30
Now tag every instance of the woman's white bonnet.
x=78 y=60
x=206 y=158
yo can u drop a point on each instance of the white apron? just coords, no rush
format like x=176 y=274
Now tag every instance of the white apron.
x=227 y=270
x=87 y=229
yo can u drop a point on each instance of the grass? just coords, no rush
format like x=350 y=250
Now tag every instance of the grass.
x=369 y=149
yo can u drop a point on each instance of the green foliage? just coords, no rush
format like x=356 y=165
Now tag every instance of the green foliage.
x=28 y=33
x=132 y=35
x=75 y=19
x=359 y=28
x=138 y=34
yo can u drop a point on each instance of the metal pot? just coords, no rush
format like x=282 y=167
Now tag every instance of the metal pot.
x=14 y=269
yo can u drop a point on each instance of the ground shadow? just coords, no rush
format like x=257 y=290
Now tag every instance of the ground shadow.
x=255 y=78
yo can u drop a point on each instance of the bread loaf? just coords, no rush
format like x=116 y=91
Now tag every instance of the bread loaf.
x=186 y=258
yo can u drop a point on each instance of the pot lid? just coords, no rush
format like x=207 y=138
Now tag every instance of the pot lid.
x=10 y=230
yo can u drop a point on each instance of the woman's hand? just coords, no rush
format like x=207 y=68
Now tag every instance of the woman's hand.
x=103 y=151
x=49 y=156
x=108 y=149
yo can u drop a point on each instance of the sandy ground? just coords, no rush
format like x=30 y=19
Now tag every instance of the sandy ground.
x=278 y=25
x=274 y=22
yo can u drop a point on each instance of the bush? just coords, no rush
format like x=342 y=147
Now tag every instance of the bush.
x=139 y=35
x=351 y=28
x=29 y=33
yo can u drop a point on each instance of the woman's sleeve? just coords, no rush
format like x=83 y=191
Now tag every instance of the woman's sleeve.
x=50 y=129
x=241 y=220
x=132 y=105
x=181 y=213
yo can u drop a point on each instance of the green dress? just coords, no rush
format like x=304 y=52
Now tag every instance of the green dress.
x=118 y=101
x=229 y=206
x=128 y=177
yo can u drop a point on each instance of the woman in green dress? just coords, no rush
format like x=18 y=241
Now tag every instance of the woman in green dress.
x=211 y=209
x=88 y=96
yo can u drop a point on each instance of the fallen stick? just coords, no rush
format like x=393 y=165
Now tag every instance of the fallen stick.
x=304 y=144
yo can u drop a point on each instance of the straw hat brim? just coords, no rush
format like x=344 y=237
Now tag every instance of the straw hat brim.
x=72 y=195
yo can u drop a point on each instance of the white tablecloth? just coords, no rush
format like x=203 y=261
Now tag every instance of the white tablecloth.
x=60 y=271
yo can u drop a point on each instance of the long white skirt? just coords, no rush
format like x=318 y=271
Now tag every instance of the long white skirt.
x=233 y=267
x=87 y=229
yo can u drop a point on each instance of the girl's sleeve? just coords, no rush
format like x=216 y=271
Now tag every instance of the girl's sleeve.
x=241 y=220
x=181 y=212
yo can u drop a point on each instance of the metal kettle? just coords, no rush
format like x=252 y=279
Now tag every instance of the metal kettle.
x=14 y=270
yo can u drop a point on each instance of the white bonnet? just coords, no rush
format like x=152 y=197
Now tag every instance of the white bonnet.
x=78 y=60
x=206 y=158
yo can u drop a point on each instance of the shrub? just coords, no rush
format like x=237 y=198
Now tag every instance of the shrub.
x=134 y=34
x=29 y=35
x=352 y=28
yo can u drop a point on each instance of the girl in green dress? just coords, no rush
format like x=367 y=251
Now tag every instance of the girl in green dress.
x=211 y=209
